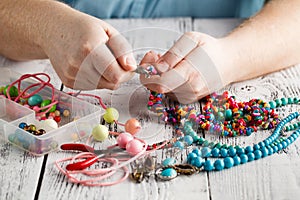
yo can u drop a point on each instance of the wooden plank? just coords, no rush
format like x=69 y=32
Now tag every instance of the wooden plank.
x=274 y=177
x=130 y=100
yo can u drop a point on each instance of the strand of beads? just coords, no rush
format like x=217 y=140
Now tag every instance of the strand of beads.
x=222 y=114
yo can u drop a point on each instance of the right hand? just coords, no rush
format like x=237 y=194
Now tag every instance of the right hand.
x=87 y=53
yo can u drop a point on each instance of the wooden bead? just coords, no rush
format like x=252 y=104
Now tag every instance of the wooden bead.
x=132 y=126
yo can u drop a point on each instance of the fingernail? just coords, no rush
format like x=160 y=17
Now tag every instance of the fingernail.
x=130 y=61
x=162 y=66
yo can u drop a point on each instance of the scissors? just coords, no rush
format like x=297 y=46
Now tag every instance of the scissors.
x=85 y=148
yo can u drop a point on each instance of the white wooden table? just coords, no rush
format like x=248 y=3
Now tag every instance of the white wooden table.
x=23 y=176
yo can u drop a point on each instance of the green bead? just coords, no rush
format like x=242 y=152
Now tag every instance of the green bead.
x=46 y=102
x=296 y=100
x=278 y=102
x=111 y=115
x=13 y=92
x=206 y=143
x=100 y=132
x=224 y=146
x=211 y=144
x=201 y=140
x=218 y=145
x=290 y=100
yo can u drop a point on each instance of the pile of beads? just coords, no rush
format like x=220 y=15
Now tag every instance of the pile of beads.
x=222 y=114
x=31 y=129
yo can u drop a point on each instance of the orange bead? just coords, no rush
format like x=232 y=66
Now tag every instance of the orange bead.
x=132 y=126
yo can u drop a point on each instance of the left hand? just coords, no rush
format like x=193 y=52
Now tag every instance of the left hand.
x=195 y=66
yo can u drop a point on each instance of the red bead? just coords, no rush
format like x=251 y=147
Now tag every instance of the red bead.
x=57 y=119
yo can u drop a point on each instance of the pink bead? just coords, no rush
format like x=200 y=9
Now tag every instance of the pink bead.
x=36 y=108
x=132 y=126
x=123 y=139
x=134 y=147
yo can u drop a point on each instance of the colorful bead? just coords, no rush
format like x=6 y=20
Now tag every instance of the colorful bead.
x=123 y=139
x=132 y=126
x=35 y=100
x=134 y=147
x=100 y=132
x=111 y=115
x=13 y=92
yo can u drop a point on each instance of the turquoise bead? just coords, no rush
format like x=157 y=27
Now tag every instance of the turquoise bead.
x=251 y=156
x=191 y=156
x=168 y=162
x=240 y=151
x=205 y=152
x=228 y=114
x=208 y=166
x=35 y=100
x=197 y=162
x=231 y=151
x=215 y=152
x=257 y=154
x=244 y=158
x=237 y=160
x=296 y=100
x=264 y=151
x=272 y=104
x=223 y=152
x=178 y=144
x=248 y=149
x=228 y=162
x=188 y=139
x=219 y=164
x=284 y=101
x=278 y=102
x=256 y=147
x=197 y=151
x=169 y=172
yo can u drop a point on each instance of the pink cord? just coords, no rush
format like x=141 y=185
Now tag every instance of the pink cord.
x=102 y=173
x=42 y=84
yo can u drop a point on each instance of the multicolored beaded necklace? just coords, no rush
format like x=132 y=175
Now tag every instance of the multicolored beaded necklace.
x=224 y=116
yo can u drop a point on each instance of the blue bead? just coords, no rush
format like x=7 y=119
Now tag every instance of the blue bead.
x=250 y=156
x=22 y=125
x=261 y=144
x=255 y=147
x=208 y=166
x=219 y=164
x=231 y=151
x=248 y=149
x=240 y=150
x=257 y=154
x=215 y=152
x=264 y=151
x=244 y=158
x=169 y=172
x=168 y=162
x=178 y=144
x=279 y=146
x=284 y=144
x=197 y=151
x=205 y=152
x=270 y=150
x=223 y=152
x=228 y=162
x=188 y=139
x=197 y=162
x=275 y=149
x=237 y=160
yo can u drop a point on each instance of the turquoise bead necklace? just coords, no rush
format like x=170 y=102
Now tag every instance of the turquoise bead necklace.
x=227 y=156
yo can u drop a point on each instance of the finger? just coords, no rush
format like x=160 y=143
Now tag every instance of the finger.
x=184 y=45
x=150 y=57
x=122 y=51
x=201 y=63
x=169 y=80
x=107 y=66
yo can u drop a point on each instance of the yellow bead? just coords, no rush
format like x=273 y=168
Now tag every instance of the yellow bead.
x=100 y=132
x=111 y=115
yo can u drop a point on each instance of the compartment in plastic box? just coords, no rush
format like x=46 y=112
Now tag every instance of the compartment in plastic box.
x=83 y=117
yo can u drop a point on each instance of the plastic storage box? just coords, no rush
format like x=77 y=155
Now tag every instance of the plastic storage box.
x=83 y=118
